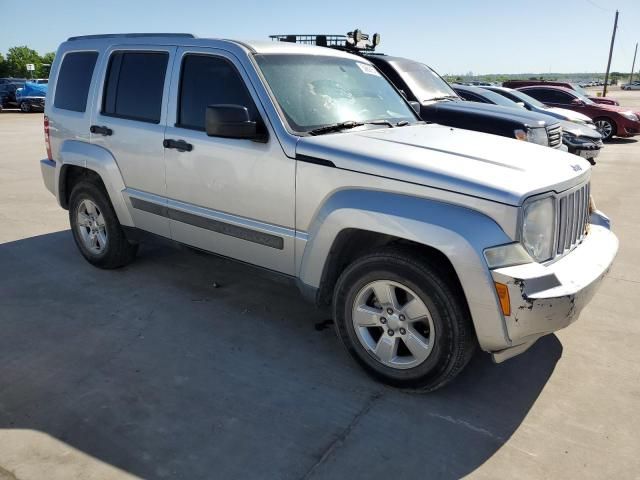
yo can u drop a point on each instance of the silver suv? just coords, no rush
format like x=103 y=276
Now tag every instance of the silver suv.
x=426 y=240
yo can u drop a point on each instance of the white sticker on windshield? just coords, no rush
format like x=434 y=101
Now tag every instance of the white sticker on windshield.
x=366 y=68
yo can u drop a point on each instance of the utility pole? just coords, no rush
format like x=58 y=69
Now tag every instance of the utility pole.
x=634 y=63
x=613 y=39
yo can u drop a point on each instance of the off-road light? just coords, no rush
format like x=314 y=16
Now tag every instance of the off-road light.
x=357 y=36
x=376 y=39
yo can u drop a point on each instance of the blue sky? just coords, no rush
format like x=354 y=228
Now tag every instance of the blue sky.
x=482 y=36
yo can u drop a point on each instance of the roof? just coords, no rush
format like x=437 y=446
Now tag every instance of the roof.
x=187 y=39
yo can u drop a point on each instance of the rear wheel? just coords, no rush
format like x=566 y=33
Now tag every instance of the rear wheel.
x=405 y=323
x=96 y=229
x=606 y=127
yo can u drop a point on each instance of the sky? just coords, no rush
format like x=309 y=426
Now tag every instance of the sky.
x=453 y=37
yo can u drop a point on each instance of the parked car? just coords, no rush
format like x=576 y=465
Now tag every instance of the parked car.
x=425 y=240
x=579 y=139
x=631 y=86
x=31 y=97
x=4 y=80
x=8 y=94
x=570 y=86
x=534 y=105
x=610 y=119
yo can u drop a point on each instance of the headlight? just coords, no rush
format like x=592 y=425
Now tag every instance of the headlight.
x=538 y=228
x=630 y=115
x=533 y=135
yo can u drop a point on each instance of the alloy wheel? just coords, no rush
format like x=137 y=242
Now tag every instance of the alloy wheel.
x=91 y=226
x=605 y=128
x=393 y=324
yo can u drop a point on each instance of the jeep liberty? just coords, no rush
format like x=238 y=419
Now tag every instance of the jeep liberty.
x=427 y=241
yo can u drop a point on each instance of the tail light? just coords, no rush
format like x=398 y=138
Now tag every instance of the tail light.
x=47 y=138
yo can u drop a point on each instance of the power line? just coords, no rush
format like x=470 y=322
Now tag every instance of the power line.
x=594 y=4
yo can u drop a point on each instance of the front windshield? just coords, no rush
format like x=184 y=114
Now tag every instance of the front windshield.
x=315 y=91
x=584 y=98
x=527 y=99
x=579 y=89
x=422 y=81
x=498 y=99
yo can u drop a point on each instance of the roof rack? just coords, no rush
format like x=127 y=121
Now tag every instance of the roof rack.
x=130 y=35
x=355 y=41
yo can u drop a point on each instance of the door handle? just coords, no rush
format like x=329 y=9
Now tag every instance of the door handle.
x=101 y=130
x=179 y=145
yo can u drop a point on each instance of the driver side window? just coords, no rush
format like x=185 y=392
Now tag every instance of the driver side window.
x=208 y=80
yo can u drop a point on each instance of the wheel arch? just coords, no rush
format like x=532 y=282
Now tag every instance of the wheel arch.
x=352 y=222
x=82 y=160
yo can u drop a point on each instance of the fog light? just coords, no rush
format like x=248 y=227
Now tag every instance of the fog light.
x=503 y=295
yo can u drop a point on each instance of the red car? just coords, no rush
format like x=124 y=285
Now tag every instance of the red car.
x=570 y=86
x=611 y=120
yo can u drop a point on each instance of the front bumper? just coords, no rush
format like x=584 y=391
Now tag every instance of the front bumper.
x=546 y=298
x=589 y=149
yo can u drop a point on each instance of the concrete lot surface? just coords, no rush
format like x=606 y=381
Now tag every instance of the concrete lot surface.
x=151 y=372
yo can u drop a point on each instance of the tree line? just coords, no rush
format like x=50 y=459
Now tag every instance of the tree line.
x=15 y=63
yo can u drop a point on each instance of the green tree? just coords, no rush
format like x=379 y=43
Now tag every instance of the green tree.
x=3 y=67
x=19 y=57
x=45 y=64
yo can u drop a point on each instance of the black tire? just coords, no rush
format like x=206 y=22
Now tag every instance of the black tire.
x=455 y=339
x=613 y=127
x=118 y=251
x=25 y=107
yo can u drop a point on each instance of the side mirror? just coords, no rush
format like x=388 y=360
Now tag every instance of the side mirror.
x=232 y=121
x=577 y=102
x=415 y=106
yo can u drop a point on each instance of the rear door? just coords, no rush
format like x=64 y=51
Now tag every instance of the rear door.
x=129 y=121
x=231 y=196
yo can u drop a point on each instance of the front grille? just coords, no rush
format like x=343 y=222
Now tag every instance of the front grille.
x=573 y=217
x=555 y=136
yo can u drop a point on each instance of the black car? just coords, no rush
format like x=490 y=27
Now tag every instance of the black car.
x=434 y=97
x=8 y=93
x=580 y=139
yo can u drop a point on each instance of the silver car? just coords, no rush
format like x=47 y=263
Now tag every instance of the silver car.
x=425 y=241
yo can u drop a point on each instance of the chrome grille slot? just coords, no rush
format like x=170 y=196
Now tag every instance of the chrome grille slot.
x=573 y=217
x=554 y=133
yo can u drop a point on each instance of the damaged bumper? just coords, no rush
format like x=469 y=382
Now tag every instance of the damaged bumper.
x=547 y=298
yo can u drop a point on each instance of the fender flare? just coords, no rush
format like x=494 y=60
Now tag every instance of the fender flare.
x=99 y=160
x=460 y=233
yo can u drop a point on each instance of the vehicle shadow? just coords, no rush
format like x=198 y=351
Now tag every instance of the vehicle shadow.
x=620 y=141
x=186 y=365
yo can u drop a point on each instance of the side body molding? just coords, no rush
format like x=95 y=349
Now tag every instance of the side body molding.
x=100 y=160
x=458 y=232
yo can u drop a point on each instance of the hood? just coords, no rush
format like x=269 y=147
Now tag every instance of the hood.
x=613 y=108
x=472 y=163
x=582 y=131
x=520 y=115
x=568 y=114
x=604 y=101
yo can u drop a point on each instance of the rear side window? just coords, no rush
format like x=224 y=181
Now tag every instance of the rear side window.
x=74 y=81
x=134 y=85
x=207 y=80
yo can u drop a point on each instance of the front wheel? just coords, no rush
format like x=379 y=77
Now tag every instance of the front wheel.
x=25 y=107
x=606 y=127
x=96 y=229
x=404 y=322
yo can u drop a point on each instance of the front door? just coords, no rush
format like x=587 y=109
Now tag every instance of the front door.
x=231 y=196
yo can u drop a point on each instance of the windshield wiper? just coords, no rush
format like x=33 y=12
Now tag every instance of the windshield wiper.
x=336 y=127
x=445 y=97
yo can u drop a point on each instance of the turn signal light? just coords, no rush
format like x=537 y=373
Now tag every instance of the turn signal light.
x=503 y=295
